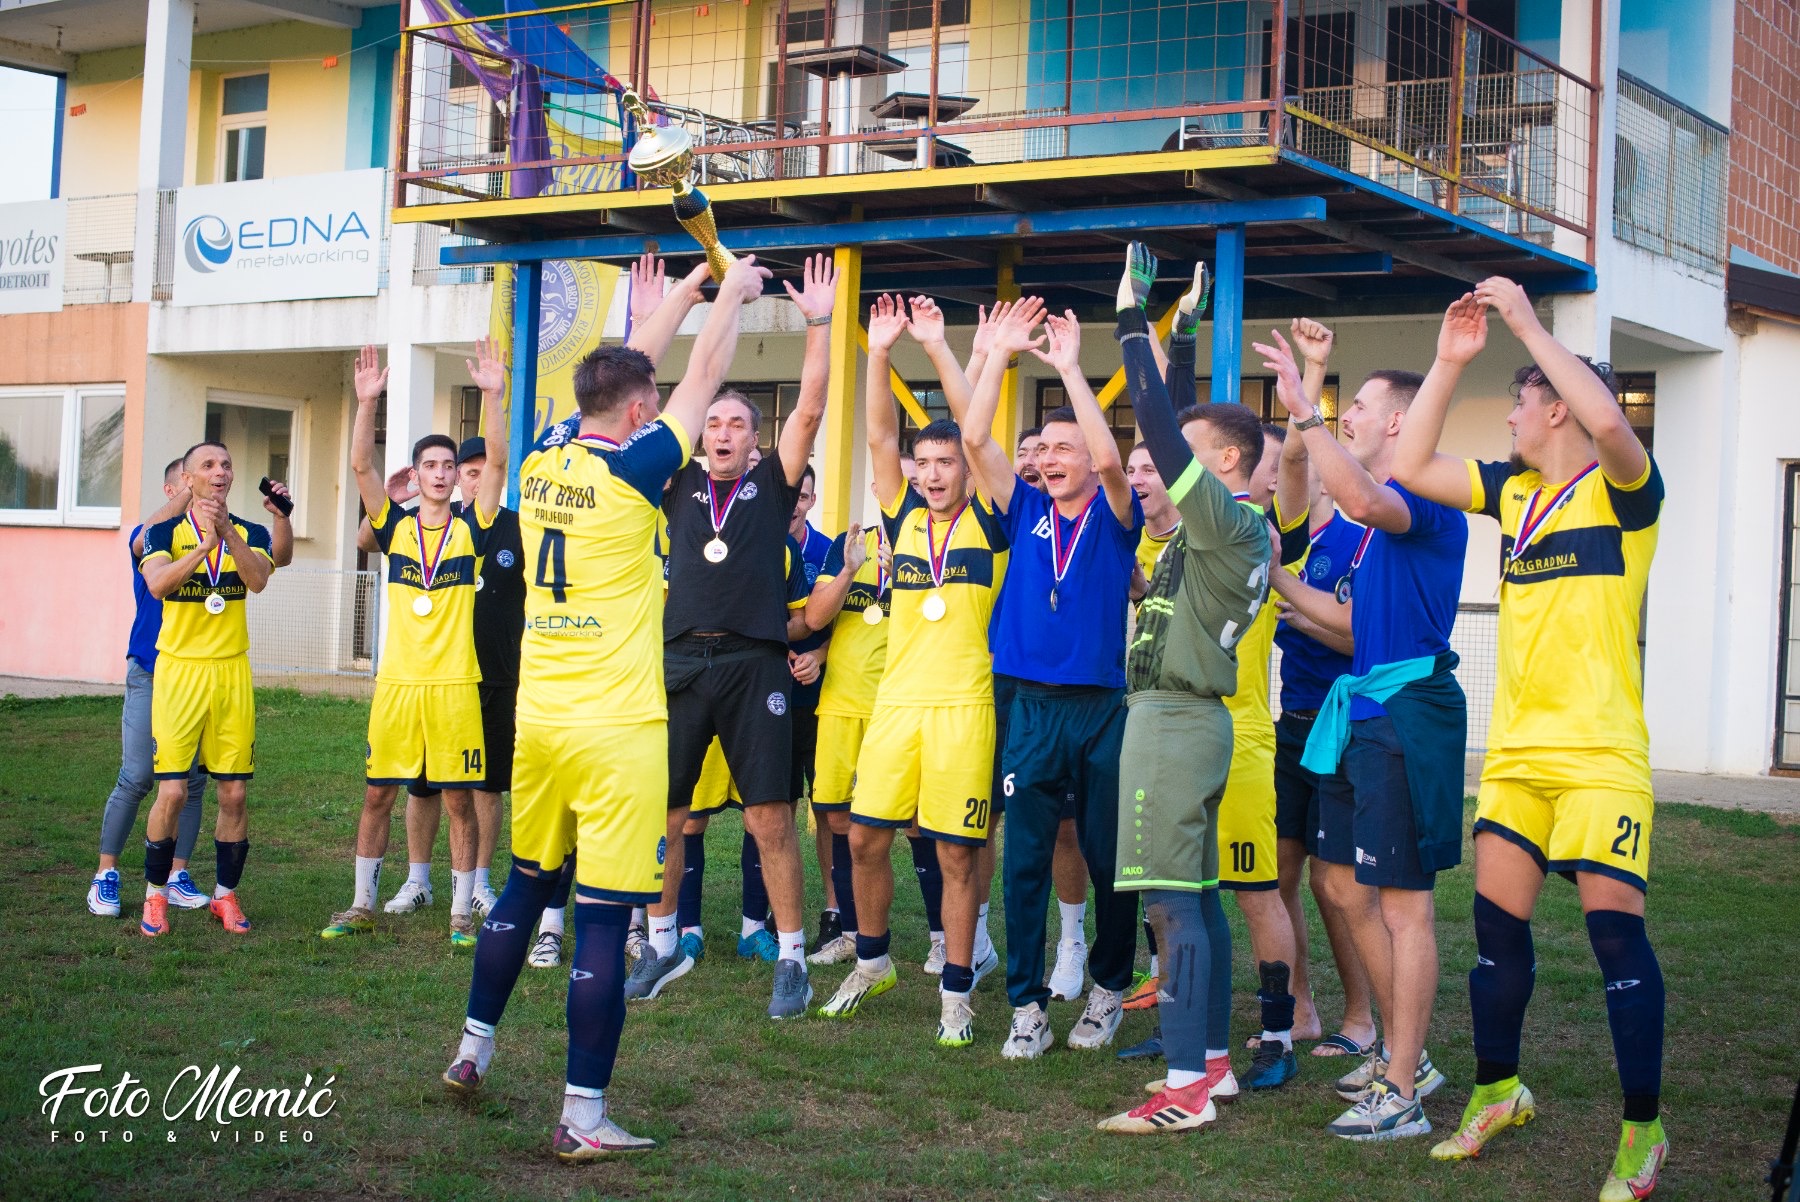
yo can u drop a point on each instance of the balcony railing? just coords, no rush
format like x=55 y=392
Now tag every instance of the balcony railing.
x=102 y=230
x=1669 y=178
x=1418 y=98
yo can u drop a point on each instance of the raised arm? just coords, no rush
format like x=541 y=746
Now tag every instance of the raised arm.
x=887 y=321
x=655 y=316
x=163 y=573
x=1064 y=354
x=489 y=374
x=1362 y=498
x=281 y=528
x=715 y=345
x=1418 y=464
x=1293 y=484
x=1177 y=365
x=371 y=380
x=173 y=507
x=988 y=463
x=254 y=565
x=984 y=338
x=1622 y=456
x=814 y=300
x=826 y=600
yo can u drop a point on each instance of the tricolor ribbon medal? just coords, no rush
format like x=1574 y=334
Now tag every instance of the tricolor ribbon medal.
x=1060 y=559
x=716 y=550
x=428 y=567
x=934 y=608
x=1342 y=591
x=214 y=562
x=873 y=614
x=1532 y=522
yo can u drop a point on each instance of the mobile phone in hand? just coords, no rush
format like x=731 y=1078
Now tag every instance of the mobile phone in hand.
x=285 y=504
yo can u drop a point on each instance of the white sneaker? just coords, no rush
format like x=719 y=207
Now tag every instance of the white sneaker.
x=483 y=900
x=103 y=894
x=1030 y=1036
x=835 y=952
x=984 y=967
x=934 y=962
x=956 y=1021
x=1070 y=971
x=546 y=952
x=412 y=896
x=1100 y=1021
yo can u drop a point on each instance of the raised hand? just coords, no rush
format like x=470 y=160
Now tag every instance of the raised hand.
x=1193 y=302
x=1509 y=300
x=403 y=486
x=856 y=549
x=887 y=321
x=210 y=512
x=1064 y=337
x=985 y=323
x=1464 y=331
x=743 y=280
x=648 y=285
x=1140 y=273
x=927 y=324
x=1013 y=333
x=371 y=377
x=886 y=552
x=1312 y=340
x=1279 y=358
x=818 y=292
x=486 y=369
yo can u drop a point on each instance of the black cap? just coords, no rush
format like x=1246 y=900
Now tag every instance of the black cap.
x=472 y=448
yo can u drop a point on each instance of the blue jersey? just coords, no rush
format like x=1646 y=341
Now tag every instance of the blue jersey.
x=1082 y=640
x=1308 y=667
x=814 y=547
x=146 y=624
x=1405 y=591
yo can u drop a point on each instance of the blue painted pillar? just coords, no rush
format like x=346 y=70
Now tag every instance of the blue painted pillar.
x=528 y=290
x=1228 y=314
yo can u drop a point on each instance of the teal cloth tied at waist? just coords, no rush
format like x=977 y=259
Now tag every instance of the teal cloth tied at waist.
x=1331 y=729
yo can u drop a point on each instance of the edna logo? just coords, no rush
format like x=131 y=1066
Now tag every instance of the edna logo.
x=207 y=244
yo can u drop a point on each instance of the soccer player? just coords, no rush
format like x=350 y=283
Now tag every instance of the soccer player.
x=1205 y=592
x=592 y=747
x=1397 y=724
x=726 y=659
x=927 y=756
x=426 y=719
x=1059 y=630
x=1031 y=443
x=1566 y=784
x=201 y=565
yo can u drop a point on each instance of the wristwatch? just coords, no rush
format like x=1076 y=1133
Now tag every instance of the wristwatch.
x=1317 y=419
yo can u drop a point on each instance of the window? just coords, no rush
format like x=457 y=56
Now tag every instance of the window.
x=243 y=127
x=916 y=14
x=474 y=126
x=468 y=413
x=932 y=400
x=1257 y=394
x=263 y=434
x=61 y=455
x=1119 y=415
x=953 y=68
x=776 y=400
x=1637 y=396
x=1787 y=678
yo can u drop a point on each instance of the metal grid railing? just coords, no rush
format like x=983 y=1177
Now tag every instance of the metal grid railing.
x=1669 y=177
x=98 y=266
x=315 y=622
x=427 y=269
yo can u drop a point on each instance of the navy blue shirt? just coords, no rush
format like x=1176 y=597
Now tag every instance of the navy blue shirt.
x=1081 y=641
x=1405 y=591
x=801 y=572
x=146 y=625
x=814 y=548
x=1308 y=667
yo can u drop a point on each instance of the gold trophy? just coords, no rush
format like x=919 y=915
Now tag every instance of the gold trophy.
x=664 y=155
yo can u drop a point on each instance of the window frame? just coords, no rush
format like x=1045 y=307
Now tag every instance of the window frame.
x=228 y=123
x=299 y=413
x=68 y=461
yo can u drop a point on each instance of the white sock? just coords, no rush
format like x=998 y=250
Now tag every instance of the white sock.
x=462 y=892
x=662 y=934
x=221 y=891
x=879 y=964
x=481 y=880
x=583 y=1108
x=1154 y=970
x=1072 y=918
x=748 y=926
x=552 y=921
x=1284 y=1038
x=793 y=945
x=477 y=1044
x=368 y=880
x=694 y=931
x=155 y=890
x=984 y=943
x=1181 y=1078
x=1216 y=1053
x=640 y=917
x=419 y=874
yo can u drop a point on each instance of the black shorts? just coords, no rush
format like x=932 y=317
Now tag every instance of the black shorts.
x=1296 y=788
x=1366 y=811
x=741 y=691
x=806 y=749
x=499 y=704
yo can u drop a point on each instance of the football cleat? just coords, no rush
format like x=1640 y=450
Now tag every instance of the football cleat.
x=230 y=914
x=546 y=950
x=1272 y=1065
x=1491 y=1110
x=412 y=896
x=355 y=921
x=984 y=967
x=483 y=900
x=1142 y=994
x=956 y=1021
x=1170 y=1110
x=861 y=985
x=608 y=1139
x=463 y=1078
x=462 y=931
x=156 y=916
x=759 y=946
x=1643 y=1150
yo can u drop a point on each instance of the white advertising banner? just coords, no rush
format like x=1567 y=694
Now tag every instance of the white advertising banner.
x=298 y=238
x=33 y=244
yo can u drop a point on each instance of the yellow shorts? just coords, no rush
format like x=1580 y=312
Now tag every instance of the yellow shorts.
x=1573 y=809
x=834 y=763
x=1246 y=829
x=601 y=792
x=715 y=790
x=203 y=711
x=930 y=764
x=430 y=728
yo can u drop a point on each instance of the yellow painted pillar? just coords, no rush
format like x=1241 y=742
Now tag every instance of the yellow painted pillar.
x=841 y=472
x=1006 y=414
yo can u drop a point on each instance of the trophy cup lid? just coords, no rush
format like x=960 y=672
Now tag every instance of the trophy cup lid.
x=662 y=153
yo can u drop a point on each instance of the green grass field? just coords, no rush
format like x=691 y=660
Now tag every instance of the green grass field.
x=749 y=1109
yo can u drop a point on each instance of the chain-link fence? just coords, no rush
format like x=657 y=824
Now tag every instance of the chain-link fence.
x=1669 y=177
x=315 y=626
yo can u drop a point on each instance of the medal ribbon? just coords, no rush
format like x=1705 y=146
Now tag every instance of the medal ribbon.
x=1361 y=548
x=1531 y=524
x=720 y=516
x=215 y=558
x=1060 y=559
x=940 y=559
x=881 y=572
x=428 y=568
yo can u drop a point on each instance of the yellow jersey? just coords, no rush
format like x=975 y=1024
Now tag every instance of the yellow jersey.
x=438 y=645
x=858 y=650
x=1150 y=548
x=943 y=662
x=1252 y=722
x=1574 y=562
x=588 y=517
x=194 y=626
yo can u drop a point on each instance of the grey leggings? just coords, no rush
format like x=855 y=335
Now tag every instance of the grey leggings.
x=135 y=779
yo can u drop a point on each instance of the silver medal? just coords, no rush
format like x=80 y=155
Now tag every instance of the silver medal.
x=872 y=615
x=421 y=605
x=716 y=551
x=934 y=607
x=215 y=603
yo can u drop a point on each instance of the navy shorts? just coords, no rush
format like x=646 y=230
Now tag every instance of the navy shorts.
x=1296 y=788
x=1005 y=689
x=1366 y=811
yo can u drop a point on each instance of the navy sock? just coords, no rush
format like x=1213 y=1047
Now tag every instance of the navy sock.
x=159 y=858
x=1634 y=1007
x=1277 y=1001
x=229 y=857
x=756 y=895
x=1150 y=936
x=1218 y=939
x=596 y=1011
x=841 y=881
x=1500 y=988
x=505 y=938
x=565 y=879
x=693 y=876
x=1187 y=967
x=958 y=978
x=931 y=881
x=870 y=947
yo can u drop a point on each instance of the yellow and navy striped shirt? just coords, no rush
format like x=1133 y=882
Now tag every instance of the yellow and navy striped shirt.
x=944 y=662
x=858 y=650
x=189 y=629
x=437 y=647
